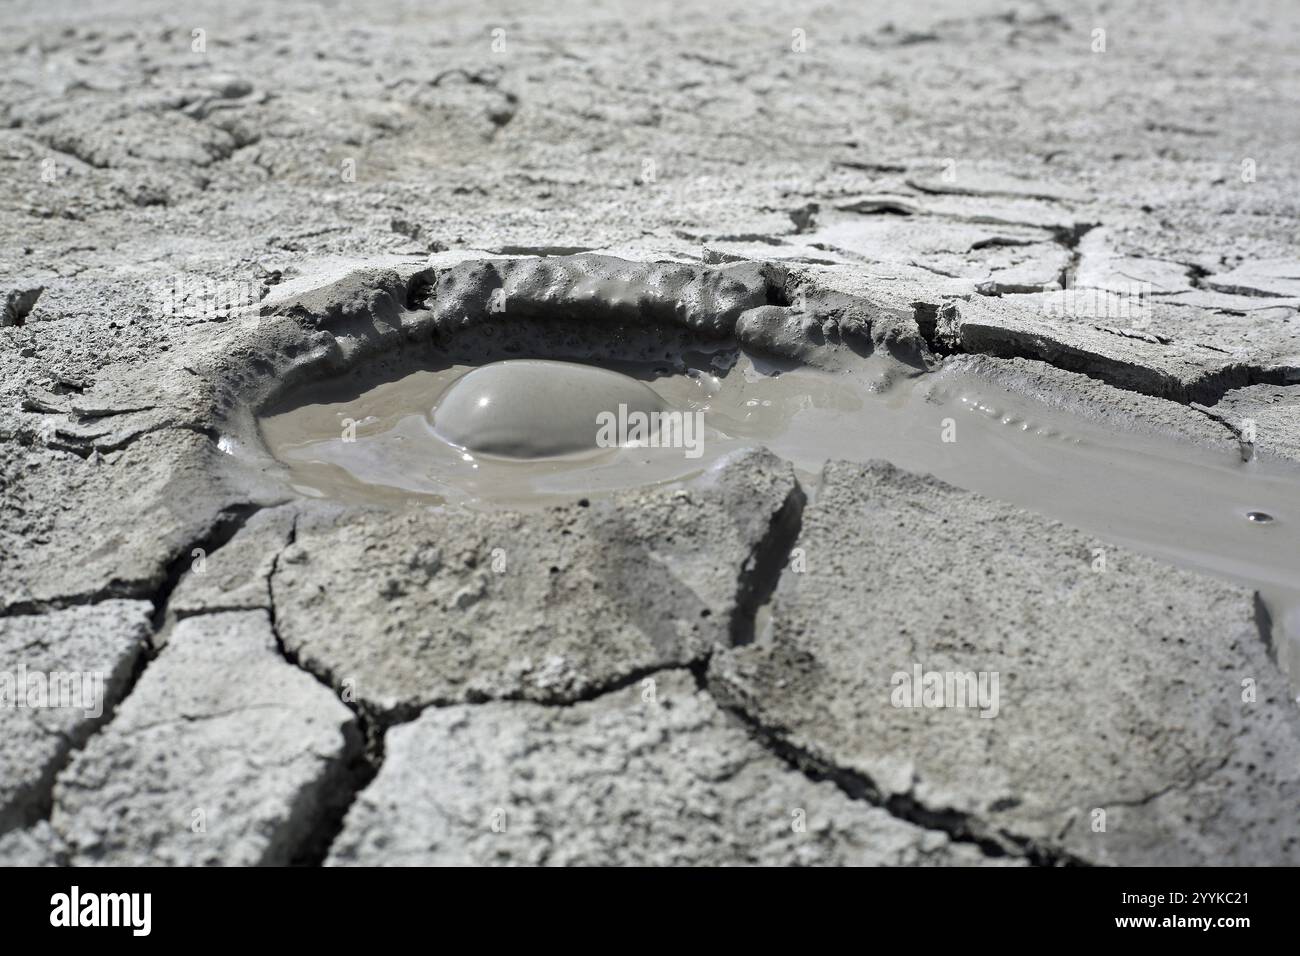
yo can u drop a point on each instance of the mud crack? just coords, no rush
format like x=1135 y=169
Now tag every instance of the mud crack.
x=959 y=826
x=357 y=773
x=761 y=572
x=226 y=525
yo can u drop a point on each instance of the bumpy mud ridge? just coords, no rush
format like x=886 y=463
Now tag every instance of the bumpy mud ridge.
x=1051 y=289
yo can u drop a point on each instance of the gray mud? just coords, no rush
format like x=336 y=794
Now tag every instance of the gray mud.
x=1028 y=274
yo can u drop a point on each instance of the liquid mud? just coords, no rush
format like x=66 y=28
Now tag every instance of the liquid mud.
x=524 y=434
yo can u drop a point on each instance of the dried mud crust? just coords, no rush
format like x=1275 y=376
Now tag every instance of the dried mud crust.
x=144 y=533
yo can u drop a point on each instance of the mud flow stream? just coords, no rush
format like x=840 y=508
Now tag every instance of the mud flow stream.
x=525 y=433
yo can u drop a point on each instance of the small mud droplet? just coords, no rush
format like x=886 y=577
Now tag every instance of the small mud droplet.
x=1259 y=517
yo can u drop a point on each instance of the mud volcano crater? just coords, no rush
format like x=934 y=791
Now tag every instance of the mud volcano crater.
x=519 y=383
x=523 y=381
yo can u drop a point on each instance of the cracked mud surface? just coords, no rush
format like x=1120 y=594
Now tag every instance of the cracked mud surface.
x=693 y=673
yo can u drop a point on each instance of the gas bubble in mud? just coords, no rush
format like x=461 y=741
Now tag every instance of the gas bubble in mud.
x=527 y=408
